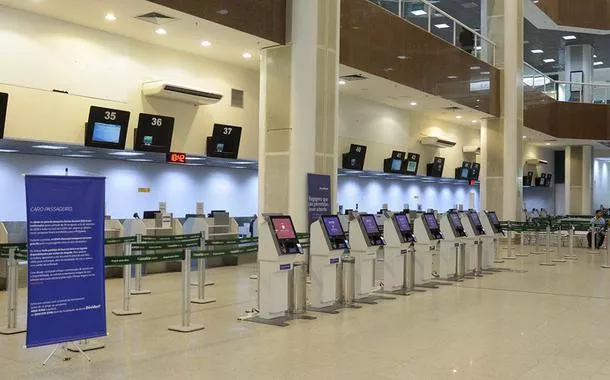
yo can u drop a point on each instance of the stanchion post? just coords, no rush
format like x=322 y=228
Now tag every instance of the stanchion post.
x=559 y=258
x=201 y=274
x=606 y=263
x=126 y=310
x=571 y=254
x=410 y=277
x=522 y=252
x=548 y=261
x=185 y=309
x=509 y=247
x=12 y=286
x=594 y=250
x=138 y=275
x=479 y=264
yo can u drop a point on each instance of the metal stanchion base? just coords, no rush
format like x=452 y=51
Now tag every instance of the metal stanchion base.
x=203 y=301
x=121 y=312
x=139 y=292
x=537 y=253
x=397 y=292
x=330 y=309
x=453 y=279
x=302 y=316
x=522 y=254
x=548 y=264
x=559 y=260
x=279 y=321
x=605 y=266
x=498 y=261
x=87 y=345
x=185 y=329
x=427 y=285
x=207 y=283
x=509 y=258
x=12 y=331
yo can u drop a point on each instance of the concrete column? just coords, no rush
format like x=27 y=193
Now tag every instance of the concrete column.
x=579 y=61
x=502 y=22
x=579 y=180
x=298 y=109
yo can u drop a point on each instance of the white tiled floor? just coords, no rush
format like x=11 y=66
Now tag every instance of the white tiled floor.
x=548 y=323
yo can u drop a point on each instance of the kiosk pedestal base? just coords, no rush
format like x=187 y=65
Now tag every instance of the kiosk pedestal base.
x=186 y=329
x=324 y=281
x=364 y=274
x=121 y=313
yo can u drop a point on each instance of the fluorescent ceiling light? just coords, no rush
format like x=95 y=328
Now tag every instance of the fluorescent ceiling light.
x=475 y=67
x=247 y=55
x=475 y=121
x=485 y=72
x=419 y=12
x=195 y=158
x=139 y=160
x=206 y=43
x=161 y=31
x=547 y=144
x=110 y=17
x=126 y=154
x=402 y=57
x=594 y=55
x=524 y=136
x=8 y=151
x=442 y=26
x=452 y=77
x=537 y=51
x=50 y=147
x=569 y=37
x=597 y=63
x=77 y=155
x=413 y=103
x=478 y=48
x=548 y=60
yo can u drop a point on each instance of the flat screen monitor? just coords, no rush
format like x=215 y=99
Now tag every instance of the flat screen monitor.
x=475 y=170
x=412 y=163
x=474 y=218
x=333 y=227
x=370 y=224
x=150 y=214
x=354 y=159
x=435 y=169
x=284 y=230
x=3 y=108
x=154 y=133
x=454 y=217
x=224 y=141
x=396 y=165
x=106 y=128
x=431 y=221
x=396 y=154
x=402 y=220
x=548 y=179
x=493 y=218
x=464 y=173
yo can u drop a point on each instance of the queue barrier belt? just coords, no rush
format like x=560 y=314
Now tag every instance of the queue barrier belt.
x=169 y=245
x=120 y=240
x=172 y=238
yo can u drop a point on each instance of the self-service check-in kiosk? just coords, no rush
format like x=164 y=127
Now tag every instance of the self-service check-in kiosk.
x=492 y=240
x=399 y=247
x=452 y=248
x=279 y=250
x=428 y=234
x=328 y=245
x=365 y=240
x=475 y=256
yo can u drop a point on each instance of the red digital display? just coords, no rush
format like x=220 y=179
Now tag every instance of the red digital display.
x=176 y=158
x=283 y=228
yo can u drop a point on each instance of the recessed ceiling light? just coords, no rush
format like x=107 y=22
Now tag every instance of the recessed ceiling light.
x=161 y=31
x=413 y=103
x=597 y=63
x=77 y=155
x=8 y=151
x=458 y=117
x=475 y=67
x=247 y=55
x=139 y=160
x=110 y=17
x=485 y=72
x=548 y=60
x=452 y=77
x=547 y=144
x=402 y=57
x=537 y=51
x=419 y=12
x=569 y=37
x=524 y=136
x=594 y=55
x=478 y=48
x=342 y=82
x=50 y=147
x=442 y=26
x=475 y=121
x=126 y=154
x=206 y=43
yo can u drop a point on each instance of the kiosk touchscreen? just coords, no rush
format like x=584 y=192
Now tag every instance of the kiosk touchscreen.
x=403 y=227
x=279 y=248
x=365 y=240
x=452 y=248
x=494 y=222
x=371 y=230
x=428 y=233
x=475 y=221
x=399 y=244
x=432 y=226
x=328 y=244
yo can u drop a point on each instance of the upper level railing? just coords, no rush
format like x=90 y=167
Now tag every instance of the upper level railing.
x=441 y=24
x=596 y=93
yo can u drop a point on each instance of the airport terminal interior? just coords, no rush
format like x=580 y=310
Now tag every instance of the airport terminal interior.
x=297 y=189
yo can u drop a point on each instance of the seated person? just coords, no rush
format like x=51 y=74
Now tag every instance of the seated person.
x=598 y=223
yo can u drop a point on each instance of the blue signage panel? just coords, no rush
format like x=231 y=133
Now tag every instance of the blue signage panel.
x=65 y=229
x=318 y=196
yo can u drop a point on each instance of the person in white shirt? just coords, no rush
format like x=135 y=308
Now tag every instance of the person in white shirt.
x=598 y=223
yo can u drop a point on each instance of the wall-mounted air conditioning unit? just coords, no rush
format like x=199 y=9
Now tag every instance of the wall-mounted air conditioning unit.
x=435 y=141
x=171 y=91
x=536 y=161
x=472 y=149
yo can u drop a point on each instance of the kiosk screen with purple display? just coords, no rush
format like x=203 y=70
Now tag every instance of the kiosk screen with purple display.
x=431 y=221
x=403 y=222
x=333 y=226
x=370 y=225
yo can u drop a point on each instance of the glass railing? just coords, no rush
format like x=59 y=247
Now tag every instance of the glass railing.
x=596 y=93
x=436 y=21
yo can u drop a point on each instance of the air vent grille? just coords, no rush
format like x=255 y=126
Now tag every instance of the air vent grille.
x=237 y=98
x=155 y=18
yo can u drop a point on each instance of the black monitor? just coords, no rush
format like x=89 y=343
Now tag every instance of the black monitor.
x=224 y=142
x=548 y=180
x=395 y=164
x=475 y=222
x=432 y=226
x=106 y=128
x=3 y=108
x=495 y=222
x=150 y=214
x=154 y=133
x=412 y=163
x=334 y=232
x=401 y=221
x=528 y=179
x=435 y=169
x=456 y=224
x=285 y=235
x=354 y=159
x=371 y=230
x=475 y=171
x=213 y=213
x=463 y=172
x=541 y=181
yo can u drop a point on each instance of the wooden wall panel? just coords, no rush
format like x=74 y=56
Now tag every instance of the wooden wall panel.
x=594 y=14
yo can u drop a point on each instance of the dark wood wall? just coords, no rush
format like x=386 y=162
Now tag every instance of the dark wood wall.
x=594 y=14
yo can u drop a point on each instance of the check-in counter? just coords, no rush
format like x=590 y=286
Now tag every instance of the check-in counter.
x=113 y=229
x=154 y=228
